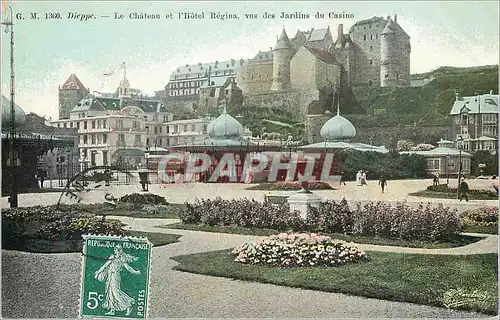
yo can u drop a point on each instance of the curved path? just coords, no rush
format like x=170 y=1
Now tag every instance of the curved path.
x=47 y=285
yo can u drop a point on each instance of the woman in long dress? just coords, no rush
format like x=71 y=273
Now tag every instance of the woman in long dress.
x=116 y=299
x=358 y=178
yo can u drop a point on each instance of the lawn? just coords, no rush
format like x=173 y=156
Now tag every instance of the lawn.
x=450 y=195
x=290 y=186
x=421 y=279
x=31 y=244
x=458 y=241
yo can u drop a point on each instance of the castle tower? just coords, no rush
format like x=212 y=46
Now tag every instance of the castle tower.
x=394 y=55
x=70 y=93
x=282 y=54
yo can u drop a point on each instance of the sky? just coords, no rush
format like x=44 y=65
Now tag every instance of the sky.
x=48 y=51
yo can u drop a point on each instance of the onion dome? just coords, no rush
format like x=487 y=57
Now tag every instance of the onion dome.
x=337 y=128
x=225 y=126
x=20 y=116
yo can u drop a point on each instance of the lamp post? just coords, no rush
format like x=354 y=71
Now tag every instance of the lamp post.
x=447 y=169
x=459 y=145
x=13 y=185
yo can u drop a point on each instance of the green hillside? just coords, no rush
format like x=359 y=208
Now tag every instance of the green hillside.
x=429 y=104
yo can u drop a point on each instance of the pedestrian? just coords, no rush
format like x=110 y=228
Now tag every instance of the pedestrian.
x=383 y=183
x=363 y=178
x=463 y=191
x=41 y=176
x=435 y=180
x=358 y=178
x=342 y=181
x=494 y=184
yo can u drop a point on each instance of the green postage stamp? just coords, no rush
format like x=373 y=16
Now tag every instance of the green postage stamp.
x=115 y=277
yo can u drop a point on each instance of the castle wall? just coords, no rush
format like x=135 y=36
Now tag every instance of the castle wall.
x=327 y=74
x=68 y=99
x=313 y=124
x=395 y=60
x=303 y=70
x=255 y=78
x=294 y=101
x=281 y=69
x=366 y=66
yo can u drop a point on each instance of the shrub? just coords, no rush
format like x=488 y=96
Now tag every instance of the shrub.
x=296 y=185
x=74 y=228
x=484 y=216
x=298 y=250
x=139 y=199
x=243 y=212
x=384 y=220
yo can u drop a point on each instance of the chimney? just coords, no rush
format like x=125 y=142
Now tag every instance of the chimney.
x=457 y=96
x=396 y=18
x=491 y=91
x=340 y=31
x=388 y=18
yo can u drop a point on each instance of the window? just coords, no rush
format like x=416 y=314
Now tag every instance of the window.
x=185 y=128
x=370 y=83
x=71 y=125
x=119 y=124
x=93 y=124
x=138 y=138
x=371 y=38
x=78 y=125
x=104 y=138
x=85 y=139
x=121 y=137
x=364 y=37
x=93 y=139
x=432 y=164
x=136 y=125
x=386 y=76
x=85 y=125
x=104 y=158
x=193 y=127
x=104 y=123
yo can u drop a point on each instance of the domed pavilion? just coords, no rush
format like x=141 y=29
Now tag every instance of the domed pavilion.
x=225 y=135
x=28 y=146
x=337 y=133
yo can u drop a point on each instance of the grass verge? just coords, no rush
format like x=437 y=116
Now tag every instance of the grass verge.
x=278 y=187
x=448 y=195
x=458 y=241
x=34 y=245
x=421 y=279
x=480 y=229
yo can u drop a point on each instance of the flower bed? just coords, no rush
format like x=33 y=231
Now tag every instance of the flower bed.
x=291 y=186
x=143 y=199
x=484 y=216
x=73 y=229
x=298 y=250
x=242 y=212
x=398 y=221
x=478 y=194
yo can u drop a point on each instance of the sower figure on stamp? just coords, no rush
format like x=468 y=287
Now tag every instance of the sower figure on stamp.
x=116 y=299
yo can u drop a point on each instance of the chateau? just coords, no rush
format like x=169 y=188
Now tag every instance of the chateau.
x=302 y=70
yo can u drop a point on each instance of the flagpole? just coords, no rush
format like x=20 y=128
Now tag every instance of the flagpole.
x=13 y=187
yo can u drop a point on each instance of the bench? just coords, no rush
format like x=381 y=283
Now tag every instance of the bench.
x=275 y=199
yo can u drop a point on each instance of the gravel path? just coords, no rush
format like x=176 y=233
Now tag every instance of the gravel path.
x=47 y=286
